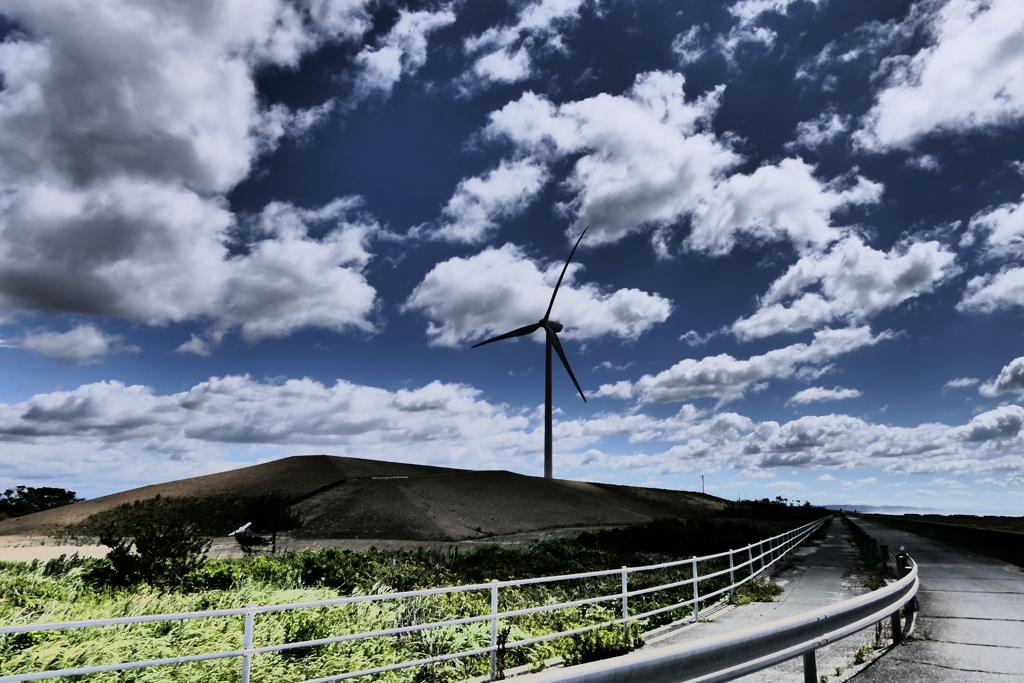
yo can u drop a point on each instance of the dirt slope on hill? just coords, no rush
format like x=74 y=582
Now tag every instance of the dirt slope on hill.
x=355 y=498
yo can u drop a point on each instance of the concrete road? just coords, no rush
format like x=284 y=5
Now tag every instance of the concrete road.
x=971 y=621
x=822 y=576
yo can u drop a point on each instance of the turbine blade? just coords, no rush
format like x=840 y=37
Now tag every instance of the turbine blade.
x=564 y=268
x=561 y=354
x=529 y=329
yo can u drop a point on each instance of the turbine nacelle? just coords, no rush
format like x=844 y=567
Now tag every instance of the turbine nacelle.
x=555 y=325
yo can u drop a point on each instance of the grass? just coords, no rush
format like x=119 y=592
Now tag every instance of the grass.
x=61 y=590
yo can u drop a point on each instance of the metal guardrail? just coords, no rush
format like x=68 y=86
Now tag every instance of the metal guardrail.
x=737 y=653
x=769 y=552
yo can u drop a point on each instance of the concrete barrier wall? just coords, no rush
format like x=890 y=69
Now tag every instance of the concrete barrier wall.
x=1006 y=546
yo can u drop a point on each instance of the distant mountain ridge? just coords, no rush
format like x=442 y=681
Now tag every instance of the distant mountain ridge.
x=354 y=498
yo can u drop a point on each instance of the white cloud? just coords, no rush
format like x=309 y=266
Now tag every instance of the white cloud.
x=784 y=201
x=854 y=281
x=813 y=394
x=1010 y=380
x=82 y=345
x=1001 y=423
x=925 y=162
x=621 y=390
x=960 y=383
x=825 y=477
x=860 y=483
x=970 y=77
x=820 y=131
x=948 y=483
x=113 y=171
x=746 y=31
x=472 y=213
x=694 y=338
x=403 y=50
x=643 y=158
x=131 y=434
x=505 y=50
x=117 y=427
x=499 y=290
x=727 y=378
x=688 y=47
x=646 y=159
x=993 y=292
x=1002 y=228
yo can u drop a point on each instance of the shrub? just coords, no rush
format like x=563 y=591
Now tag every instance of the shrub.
x=164 y=554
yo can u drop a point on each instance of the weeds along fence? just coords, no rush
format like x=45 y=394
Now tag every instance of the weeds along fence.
x=421 y=636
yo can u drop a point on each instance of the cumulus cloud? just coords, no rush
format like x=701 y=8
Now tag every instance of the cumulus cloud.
x=727 y=378
x=1001 y=228
x=783 y=201
x=1004 y=422
x=970 y=76
x=114 y=171
x=643 y=158
x=498 y=290
x=814 y=394
x=472 y=213
x=820 y=131
x=504 y=51
x=647 y=159
x=80 y=346
x=853 y=282
x=993 y=292
x=859 y=483
x=123 y=431
x=401 y=51
x=1010 y=380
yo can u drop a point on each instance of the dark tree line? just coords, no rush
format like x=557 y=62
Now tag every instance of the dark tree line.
x=24 y=500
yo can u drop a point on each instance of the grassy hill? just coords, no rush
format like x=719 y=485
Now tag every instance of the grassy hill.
x=353 y=498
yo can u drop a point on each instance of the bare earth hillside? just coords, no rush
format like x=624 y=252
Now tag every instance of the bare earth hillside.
x=352 y=498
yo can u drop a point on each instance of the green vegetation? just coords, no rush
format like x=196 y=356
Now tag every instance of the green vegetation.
x=156 y=566
x=24 y=500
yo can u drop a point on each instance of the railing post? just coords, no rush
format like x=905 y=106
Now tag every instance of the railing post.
x=696 y=593
x=750 y=560
x=494 y=630
x=247 y=643
x=625 y=606
x=897 y=627
x=810 y=667
x=760 y=553
x=732 y=579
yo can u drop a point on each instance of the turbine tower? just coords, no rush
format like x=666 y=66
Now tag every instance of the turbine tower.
x=551 y=329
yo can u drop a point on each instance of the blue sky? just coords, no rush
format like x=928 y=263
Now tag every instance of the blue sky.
x=245 y=229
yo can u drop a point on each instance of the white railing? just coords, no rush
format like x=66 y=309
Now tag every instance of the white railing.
x=737 y=653
x=769 y=551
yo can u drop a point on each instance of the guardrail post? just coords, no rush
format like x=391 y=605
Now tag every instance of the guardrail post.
x=494 y=630
x=732 y=579
x=696 y=593
x=810 y=667
x=750 y=560
x=897 y=627
x=760 y=553
x=625 y=606
x=247 y=643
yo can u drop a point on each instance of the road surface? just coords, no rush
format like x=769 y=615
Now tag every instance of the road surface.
x=822 y=575
x=971 y=620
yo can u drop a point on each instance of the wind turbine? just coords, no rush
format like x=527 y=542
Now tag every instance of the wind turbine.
x=551 y=328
